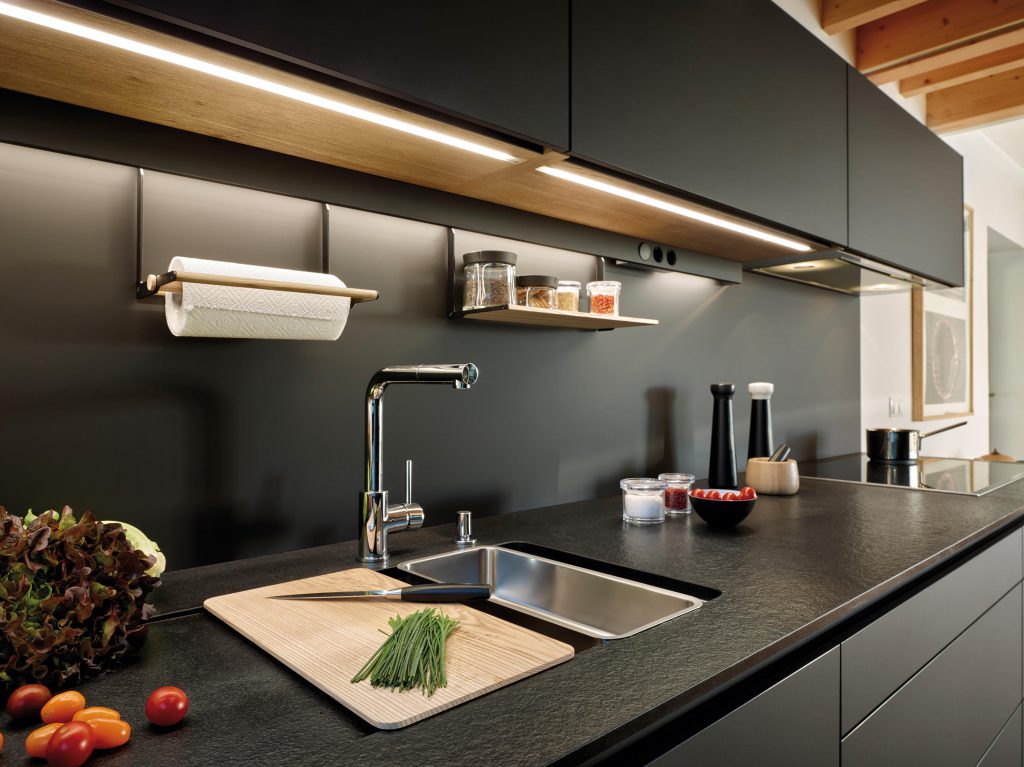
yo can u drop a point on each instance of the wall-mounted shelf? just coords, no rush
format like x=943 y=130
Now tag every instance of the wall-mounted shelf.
x=554 y=318
x=530 y=315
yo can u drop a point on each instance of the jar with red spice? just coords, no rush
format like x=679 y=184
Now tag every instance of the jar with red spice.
x=604 y=296
x=677 y=493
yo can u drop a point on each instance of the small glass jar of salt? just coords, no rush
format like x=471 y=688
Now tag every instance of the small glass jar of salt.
x=643 y=500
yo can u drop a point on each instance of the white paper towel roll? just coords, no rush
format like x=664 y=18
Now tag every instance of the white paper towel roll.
x=217 y=311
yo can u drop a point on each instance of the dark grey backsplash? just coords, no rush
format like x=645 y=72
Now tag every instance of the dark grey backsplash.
x=223 y=448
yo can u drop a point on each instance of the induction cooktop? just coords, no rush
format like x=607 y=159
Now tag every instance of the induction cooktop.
x=943 y=475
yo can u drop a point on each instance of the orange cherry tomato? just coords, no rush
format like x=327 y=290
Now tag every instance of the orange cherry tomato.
x=38 y=740
x=62 y=706
x=95 y=712
x=71 y=745
x=25 y=702
x=110 y=733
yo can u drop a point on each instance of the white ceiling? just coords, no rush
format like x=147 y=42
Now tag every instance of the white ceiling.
x=1008 y=136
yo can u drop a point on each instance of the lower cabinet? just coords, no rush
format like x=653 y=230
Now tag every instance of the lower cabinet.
x=952 y=710
x=793 y=724
x=1006 y=750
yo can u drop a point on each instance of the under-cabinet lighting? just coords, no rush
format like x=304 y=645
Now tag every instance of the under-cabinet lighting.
x=259 y=83
x=803 y=266
x=880 y=286
x=679 y=210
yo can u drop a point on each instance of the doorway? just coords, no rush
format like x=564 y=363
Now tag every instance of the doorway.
x=1005 y=333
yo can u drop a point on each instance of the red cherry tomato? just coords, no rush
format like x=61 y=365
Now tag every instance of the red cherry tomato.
x=167 y=706
x=27 y=700
x=748 y=494
x=697 y=492
x=730 y=496
x=71 y=745
x=62 y=706
x=713 y=495
x=110 y=733
x=38 y=740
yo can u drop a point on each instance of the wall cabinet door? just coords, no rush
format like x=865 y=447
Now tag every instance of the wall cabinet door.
x=731 y=100
x=793 y=724
x=906 y=188
x=500 y=64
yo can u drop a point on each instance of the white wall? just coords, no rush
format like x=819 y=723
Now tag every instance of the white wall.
x=1006 y=318
x=994 y=187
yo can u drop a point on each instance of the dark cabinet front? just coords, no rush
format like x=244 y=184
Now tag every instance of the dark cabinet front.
x=906 y=188
x=503 y=65
x=730 y=100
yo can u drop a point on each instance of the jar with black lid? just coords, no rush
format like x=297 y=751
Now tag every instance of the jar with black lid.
x=490 y=278
x=536 y=290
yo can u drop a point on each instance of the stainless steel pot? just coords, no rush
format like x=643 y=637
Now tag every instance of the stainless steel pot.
x=899 y=445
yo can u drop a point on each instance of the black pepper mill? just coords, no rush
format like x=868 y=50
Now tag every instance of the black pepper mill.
x=760 y=444
x=722 y=467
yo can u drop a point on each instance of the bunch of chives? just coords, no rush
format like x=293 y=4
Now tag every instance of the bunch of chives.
x=413 y=654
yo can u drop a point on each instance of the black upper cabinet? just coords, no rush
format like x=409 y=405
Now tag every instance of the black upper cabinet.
x=906 y=188
x=503 y=65
x=731 y=100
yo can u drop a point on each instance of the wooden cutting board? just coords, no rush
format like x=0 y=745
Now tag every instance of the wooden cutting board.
x=327 y=642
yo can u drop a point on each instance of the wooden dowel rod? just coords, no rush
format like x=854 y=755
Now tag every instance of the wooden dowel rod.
x=356 y=294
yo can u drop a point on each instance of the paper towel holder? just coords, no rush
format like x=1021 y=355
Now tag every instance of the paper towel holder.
x=172 y=282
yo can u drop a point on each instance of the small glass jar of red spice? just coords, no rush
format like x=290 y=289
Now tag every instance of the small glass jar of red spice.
x=677 y=494
x=604 y=296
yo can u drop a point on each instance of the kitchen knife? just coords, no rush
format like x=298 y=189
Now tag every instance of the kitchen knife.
x=427 y=592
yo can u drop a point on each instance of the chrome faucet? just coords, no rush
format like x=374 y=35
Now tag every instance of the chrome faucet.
x=376 y=517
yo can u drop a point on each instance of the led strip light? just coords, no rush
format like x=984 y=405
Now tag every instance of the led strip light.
x=670 y=207
x=259 y=83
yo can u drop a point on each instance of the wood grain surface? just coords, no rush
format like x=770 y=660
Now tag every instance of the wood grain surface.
x=327 y=642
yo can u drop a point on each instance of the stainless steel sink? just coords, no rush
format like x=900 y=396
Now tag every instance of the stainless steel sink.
x=592 y=603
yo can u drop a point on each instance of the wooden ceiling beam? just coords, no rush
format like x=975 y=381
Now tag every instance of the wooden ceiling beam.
x=931 y=28
x=964 y=72
x=843 y=15
x=993 y=43
x=980 y=102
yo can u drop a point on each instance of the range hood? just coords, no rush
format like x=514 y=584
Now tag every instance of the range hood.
x=847 y=273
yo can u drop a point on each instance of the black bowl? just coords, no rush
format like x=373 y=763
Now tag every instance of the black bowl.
x=722 y=513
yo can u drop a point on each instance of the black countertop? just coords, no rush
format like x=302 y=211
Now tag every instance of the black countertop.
x=798 y=567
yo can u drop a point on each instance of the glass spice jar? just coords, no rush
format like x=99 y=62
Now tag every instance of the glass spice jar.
x=490 y=276
x=604 y=296
x=568 y=295
x=536 y=290
x=677 y=494
x=643 y=500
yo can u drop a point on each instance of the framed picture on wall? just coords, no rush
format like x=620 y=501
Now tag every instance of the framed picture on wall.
x=943 y=343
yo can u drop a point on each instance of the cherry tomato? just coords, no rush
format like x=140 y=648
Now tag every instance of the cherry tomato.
x=38 y=740
x=713 y=495
x=27 y=700
x=95 y=712
x=62 y=706
x=730 y=496
x=748 y=494
x=697 y=492
x=71 y=745
x=110 y=733
x=167 y=706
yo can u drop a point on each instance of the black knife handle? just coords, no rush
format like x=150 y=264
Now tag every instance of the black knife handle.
x=446 y=592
